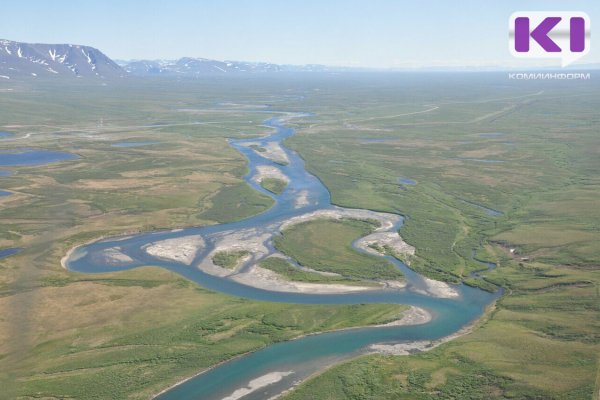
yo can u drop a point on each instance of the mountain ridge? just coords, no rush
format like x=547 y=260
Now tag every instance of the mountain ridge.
x=19 y=59
x=30 y=60
x=197 y=66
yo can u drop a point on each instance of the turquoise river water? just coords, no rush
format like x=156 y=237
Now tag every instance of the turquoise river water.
x=295 y=359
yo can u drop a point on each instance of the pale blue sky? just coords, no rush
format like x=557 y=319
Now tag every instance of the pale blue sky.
x=368 y=33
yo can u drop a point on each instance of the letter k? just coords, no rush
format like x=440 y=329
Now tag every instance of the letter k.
x=539 y=34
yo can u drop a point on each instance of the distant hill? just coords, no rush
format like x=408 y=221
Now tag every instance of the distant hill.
x=19 y=59
x=191 y=67
x=30 y=60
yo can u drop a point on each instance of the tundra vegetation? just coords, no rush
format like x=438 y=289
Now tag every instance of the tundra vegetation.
x=273 y=185
x=326 y=246
x=471 y=142
x=529 y=151
x=229 y=259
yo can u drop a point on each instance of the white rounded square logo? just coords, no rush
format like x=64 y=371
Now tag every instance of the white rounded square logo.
x=563 y=35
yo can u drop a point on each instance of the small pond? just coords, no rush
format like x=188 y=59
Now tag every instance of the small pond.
x=33 y=157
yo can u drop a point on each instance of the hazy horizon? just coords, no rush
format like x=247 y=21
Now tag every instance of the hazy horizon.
x=384 y=34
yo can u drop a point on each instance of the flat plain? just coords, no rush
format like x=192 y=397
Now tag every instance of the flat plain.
x=505 y=172
x=498 y=171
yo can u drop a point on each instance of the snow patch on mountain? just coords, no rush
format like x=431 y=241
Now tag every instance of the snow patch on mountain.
x=65 y=60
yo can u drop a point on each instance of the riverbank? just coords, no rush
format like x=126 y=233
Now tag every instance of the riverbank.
x=256 y=242
x=268 y=171
x=258 y=383
x=412 y=316
x=263 y=278
x=407 y=348
x=256 y=235
x=183 y=249
x=439 y=289
x=271 y=151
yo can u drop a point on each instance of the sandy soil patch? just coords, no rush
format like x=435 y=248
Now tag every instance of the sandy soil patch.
x=386 y=220
x=272 y=151
x=406 y=348
x=275 y=152
x=73 y=254
x=301 y=199
x=182 y=249
x=251 y=240
x=413 y=316
x=258 y=383
x=439 y=289
x=393 y=284
x=268 y=171
x=269 y=280
x=390 y=240
x=113 y=239
x=114 y=256
x=402 y=349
